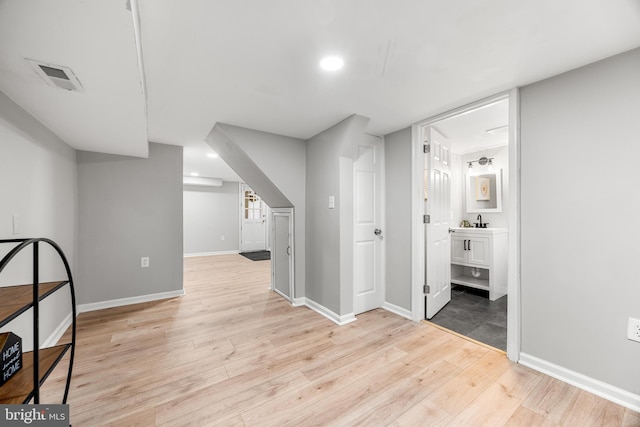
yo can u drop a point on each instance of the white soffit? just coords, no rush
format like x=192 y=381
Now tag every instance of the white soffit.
x=195 y=159
x=201 y=181
x=468 y=132
x=96 y=40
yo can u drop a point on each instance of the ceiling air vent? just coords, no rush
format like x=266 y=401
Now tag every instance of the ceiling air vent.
x=56 y=75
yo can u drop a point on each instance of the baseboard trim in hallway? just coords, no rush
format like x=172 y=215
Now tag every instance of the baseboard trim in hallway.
x=336 y=318
x=398 y=310
x=93 y=306
x=597 y=387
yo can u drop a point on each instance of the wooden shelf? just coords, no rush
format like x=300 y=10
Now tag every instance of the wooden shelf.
x=15 y=300
x=22 y=387
x=19 y=389
x=471 y=281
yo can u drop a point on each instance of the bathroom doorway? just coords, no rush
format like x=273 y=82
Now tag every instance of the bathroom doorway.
x=479 y=288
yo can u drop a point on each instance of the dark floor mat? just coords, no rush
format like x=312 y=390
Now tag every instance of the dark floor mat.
x=257 y=256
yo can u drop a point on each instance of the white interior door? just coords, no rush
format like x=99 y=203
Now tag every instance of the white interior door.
x=282 y=253
x=367 y=211
x=438 y=209
x=252 y=225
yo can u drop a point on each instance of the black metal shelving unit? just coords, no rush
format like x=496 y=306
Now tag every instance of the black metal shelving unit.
x=24 y=386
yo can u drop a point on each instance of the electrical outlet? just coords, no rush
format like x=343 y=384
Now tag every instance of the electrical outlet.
x=221 y=237
x=633 y=329
x=144 y=262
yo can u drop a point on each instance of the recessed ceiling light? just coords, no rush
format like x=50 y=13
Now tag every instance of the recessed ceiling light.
x=213 y=155
x=331 y=63
x=194 y=174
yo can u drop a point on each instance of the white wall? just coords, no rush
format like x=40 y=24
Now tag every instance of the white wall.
x=457 y=190
x=500 y=161
x=398 y=218
x=37 y=182
x=211 y=214
x=329 y=241
x=579 y=212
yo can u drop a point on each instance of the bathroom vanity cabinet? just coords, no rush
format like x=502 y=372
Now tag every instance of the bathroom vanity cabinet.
x=479 y=259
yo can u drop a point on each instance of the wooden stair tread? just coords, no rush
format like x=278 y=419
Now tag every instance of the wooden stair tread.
x=19 y=388
x=15 y=300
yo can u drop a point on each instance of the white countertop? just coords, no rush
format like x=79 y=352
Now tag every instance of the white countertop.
x=489 y=230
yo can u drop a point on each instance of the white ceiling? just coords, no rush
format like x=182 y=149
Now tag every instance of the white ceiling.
x=467 y=132
x=96 y=40
x=254 y=63
x=196 y=159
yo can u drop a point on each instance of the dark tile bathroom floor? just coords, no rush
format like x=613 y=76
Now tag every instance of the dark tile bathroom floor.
x=472 y=314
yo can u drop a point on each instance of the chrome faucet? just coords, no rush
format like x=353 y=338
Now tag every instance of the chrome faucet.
x=479 y=218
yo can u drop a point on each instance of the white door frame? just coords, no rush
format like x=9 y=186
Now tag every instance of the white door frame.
x=288 y=212
x=417 y=211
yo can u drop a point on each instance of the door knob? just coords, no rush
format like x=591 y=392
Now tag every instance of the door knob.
x=377 y=232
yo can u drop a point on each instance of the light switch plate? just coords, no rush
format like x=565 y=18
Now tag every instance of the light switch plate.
x=144 y=262
x=332 y=202
x=16 y=224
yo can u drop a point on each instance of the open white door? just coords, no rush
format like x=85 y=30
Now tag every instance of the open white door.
x=252 y=225
x=282 y=252
x=438 y=209
x=367 y=212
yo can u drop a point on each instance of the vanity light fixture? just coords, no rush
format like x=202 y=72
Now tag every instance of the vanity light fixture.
x=212 y=155
x=482 y=161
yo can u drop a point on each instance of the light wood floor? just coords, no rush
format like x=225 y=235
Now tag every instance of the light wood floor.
x=232 y=353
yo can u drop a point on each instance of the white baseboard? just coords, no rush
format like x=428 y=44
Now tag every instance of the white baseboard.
x=211 y=253
x=334 y=317
x=597 y=387
x=398 y=310
x=93 y=306
x=58 y=332
x=299 y=302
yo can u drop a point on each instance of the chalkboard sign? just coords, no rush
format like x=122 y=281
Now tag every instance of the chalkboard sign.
x=11 y=346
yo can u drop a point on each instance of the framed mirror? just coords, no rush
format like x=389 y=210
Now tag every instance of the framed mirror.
x=484 y=192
